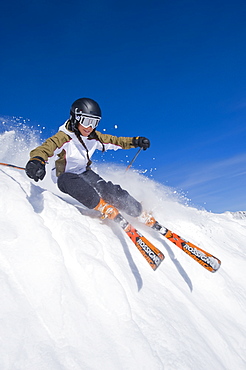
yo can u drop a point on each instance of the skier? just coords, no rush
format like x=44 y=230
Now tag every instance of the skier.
x=74 y=144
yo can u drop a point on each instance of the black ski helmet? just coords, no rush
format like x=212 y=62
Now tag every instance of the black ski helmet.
x=87 y=106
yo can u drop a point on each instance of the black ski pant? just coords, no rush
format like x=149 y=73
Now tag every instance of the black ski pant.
x=88 y=187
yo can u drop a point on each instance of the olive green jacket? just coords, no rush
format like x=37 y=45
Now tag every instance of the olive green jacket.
x=74 y=152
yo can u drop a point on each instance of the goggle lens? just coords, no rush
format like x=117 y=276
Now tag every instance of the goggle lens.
x=87 y=120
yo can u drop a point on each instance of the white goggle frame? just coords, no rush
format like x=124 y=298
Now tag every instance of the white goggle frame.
x=86 y=120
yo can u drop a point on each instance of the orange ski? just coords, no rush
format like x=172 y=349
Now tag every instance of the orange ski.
x=153 y=255
x=205 y=259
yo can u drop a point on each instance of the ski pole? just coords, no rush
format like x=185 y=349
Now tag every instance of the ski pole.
x=133 y=159
x=12 y=165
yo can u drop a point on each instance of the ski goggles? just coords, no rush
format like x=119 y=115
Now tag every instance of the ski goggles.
x=87 y=120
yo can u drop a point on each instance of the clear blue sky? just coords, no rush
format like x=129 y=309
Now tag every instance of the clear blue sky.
x=174 y=71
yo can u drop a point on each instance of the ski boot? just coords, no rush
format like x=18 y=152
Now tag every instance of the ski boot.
x=106 y=210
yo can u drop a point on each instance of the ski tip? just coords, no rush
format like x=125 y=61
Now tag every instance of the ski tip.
x=160 y=257
x=216 y=265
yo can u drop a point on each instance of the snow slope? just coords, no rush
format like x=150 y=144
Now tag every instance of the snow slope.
x=76 y=293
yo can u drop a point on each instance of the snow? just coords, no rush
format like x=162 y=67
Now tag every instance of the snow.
x=77 y=294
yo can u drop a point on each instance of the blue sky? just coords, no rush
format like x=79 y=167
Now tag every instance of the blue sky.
x=173 y=71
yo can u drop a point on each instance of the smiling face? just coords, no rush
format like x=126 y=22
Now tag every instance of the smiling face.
x=86 y=123
x=85 y=131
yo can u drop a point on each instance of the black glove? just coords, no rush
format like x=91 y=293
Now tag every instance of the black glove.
x=35 y=168
x=141 y=141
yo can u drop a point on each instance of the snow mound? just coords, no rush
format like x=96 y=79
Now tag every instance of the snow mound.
x=77 y=294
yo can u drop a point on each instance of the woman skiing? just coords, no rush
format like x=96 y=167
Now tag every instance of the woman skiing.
x=74 y=145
